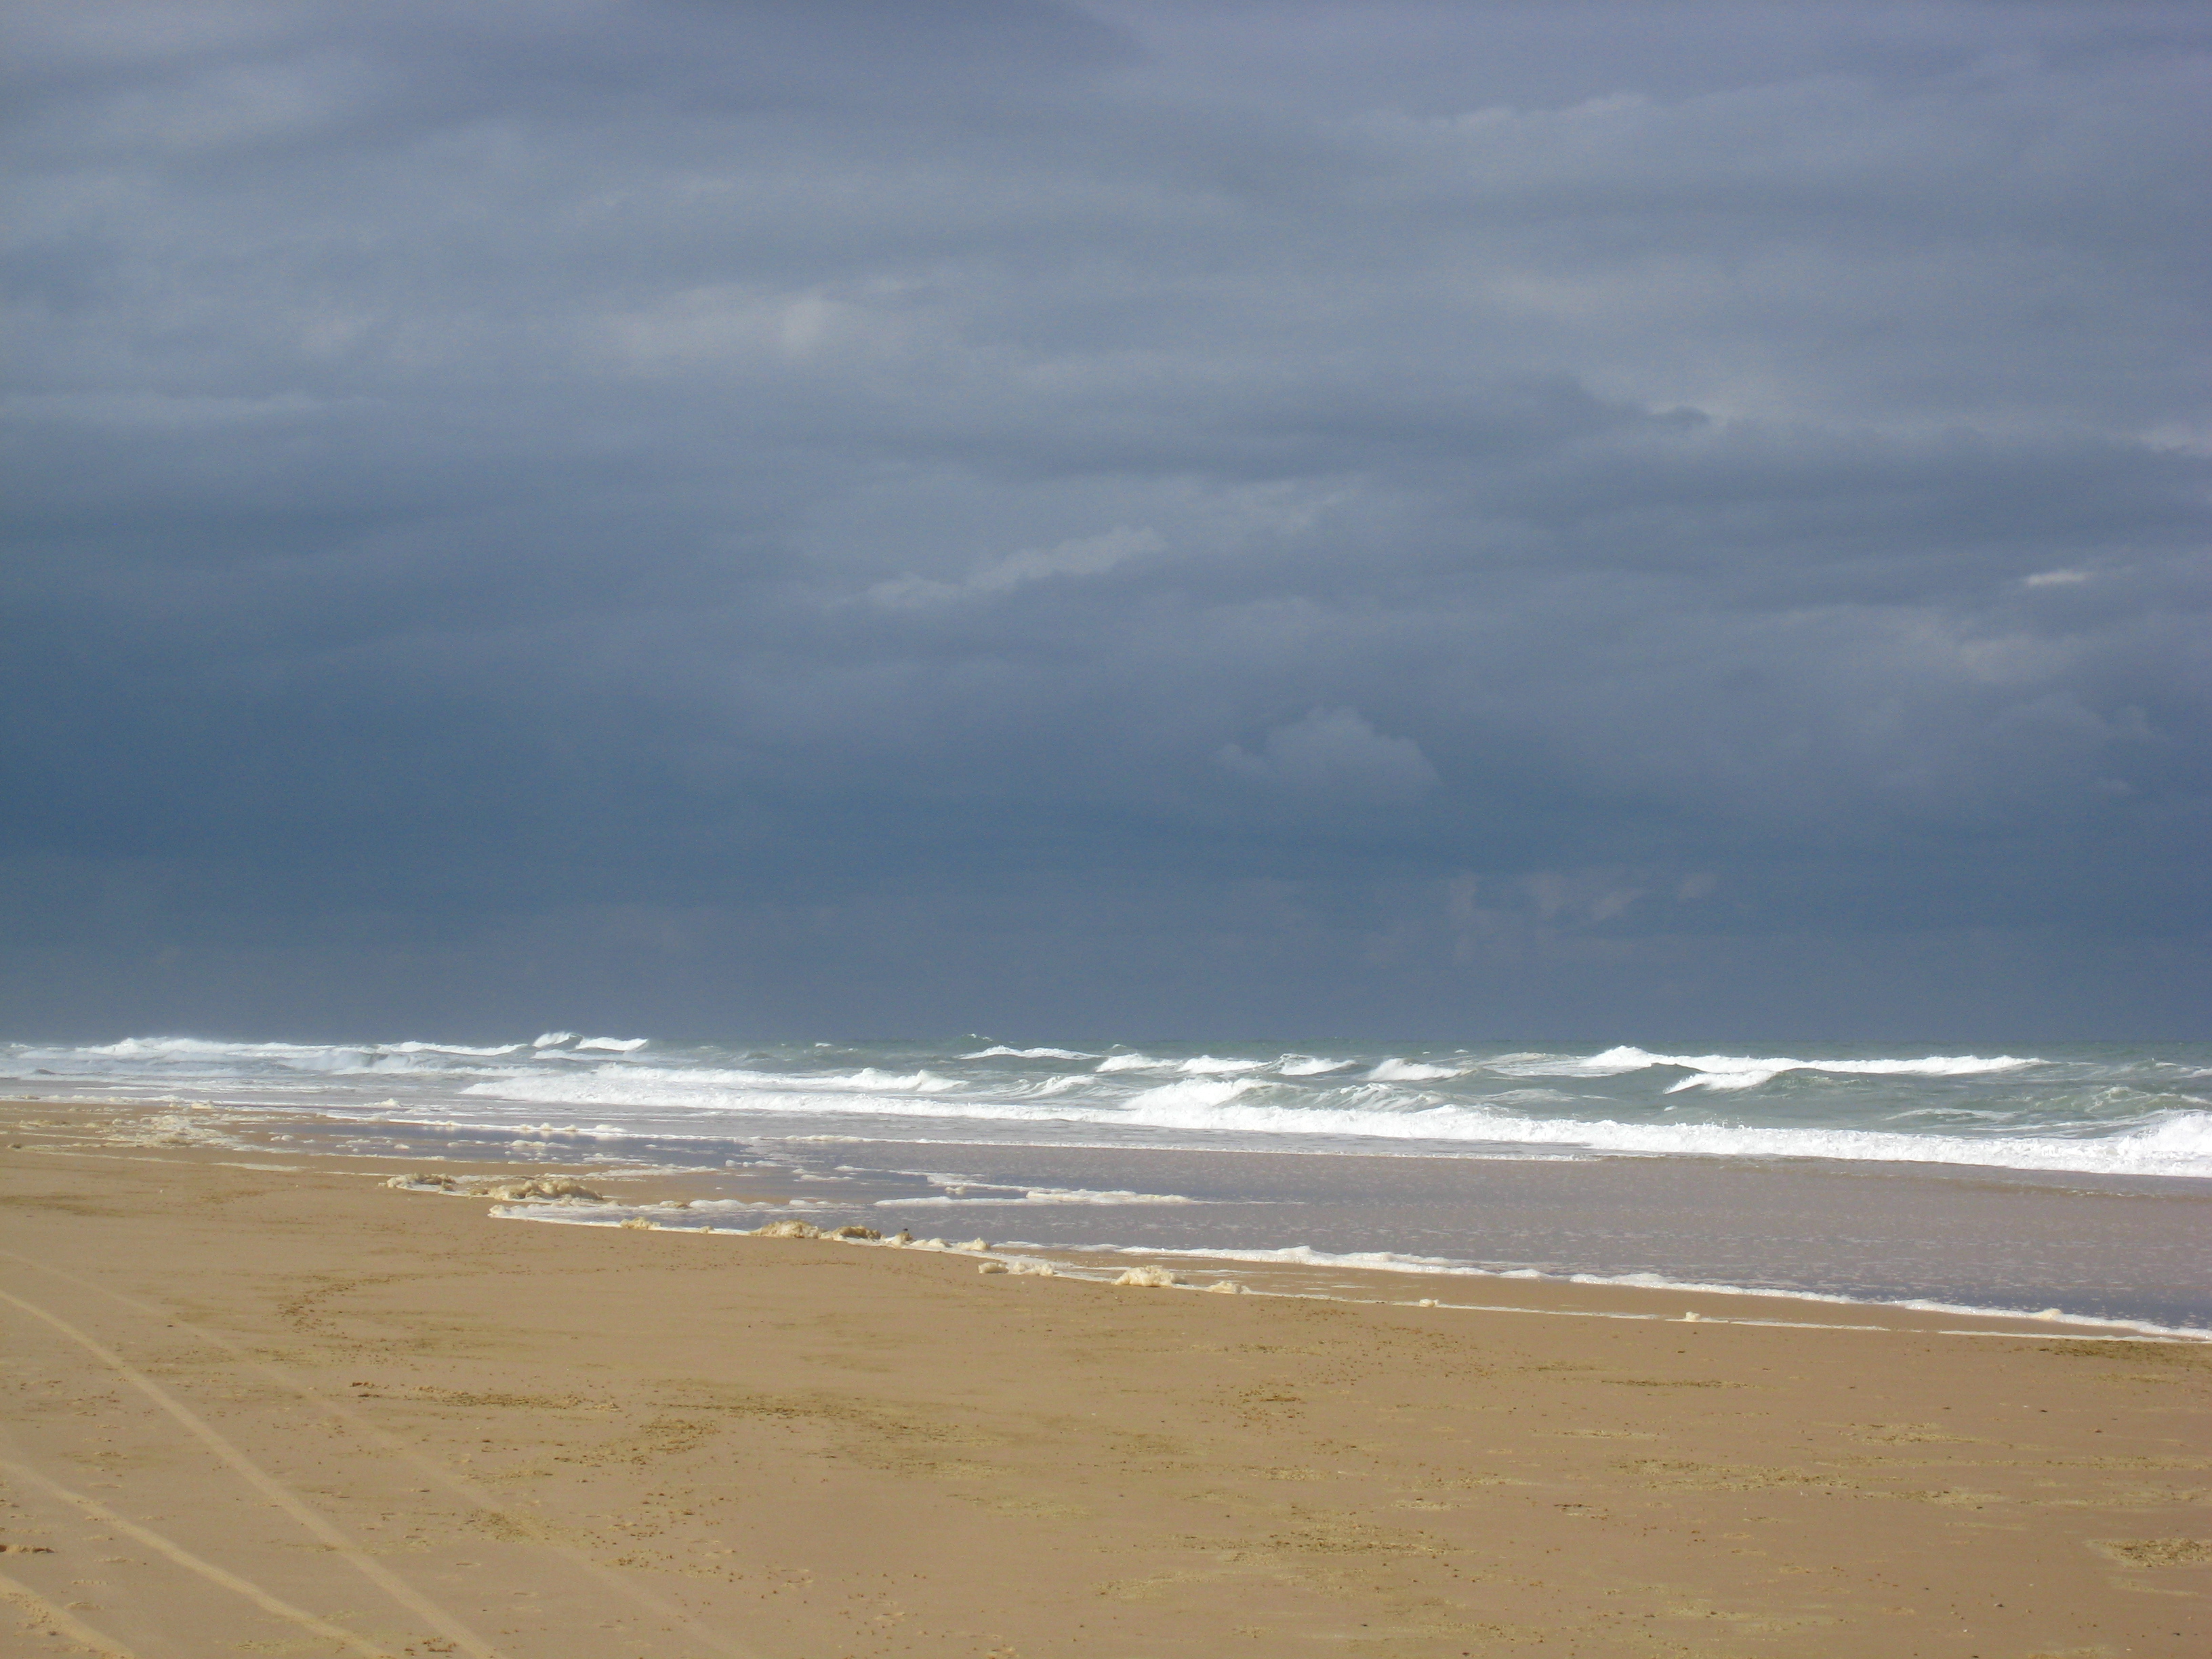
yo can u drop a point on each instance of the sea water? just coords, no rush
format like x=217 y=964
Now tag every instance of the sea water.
x=2078 y=1175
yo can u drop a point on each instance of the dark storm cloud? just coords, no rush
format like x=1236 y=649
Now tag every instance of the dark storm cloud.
x=1434 y=518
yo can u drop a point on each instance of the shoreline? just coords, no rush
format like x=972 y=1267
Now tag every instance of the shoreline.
x=2110 y=1253
x=539 y=1442
x=2044 y=1324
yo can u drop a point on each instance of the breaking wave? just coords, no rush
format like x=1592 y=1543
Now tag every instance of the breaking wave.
x=2102 y=1111
x=1745 y=1072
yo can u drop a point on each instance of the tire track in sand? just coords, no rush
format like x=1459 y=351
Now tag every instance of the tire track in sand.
x=65 y=1624
x=458 y=1484
x=269 y=1486
x=185 y=1559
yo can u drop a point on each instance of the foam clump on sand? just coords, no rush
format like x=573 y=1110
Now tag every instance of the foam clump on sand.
x=509 y=1187
x=1035 y=1269
x=537 y=1186
x=974 y=1244
x=1226 y=1287
x=807 y=1229
x=1157 y=1278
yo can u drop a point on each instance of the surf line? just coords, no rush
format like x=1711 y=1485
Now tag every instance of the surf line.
x=2078 y=1333
x=2069 y=1330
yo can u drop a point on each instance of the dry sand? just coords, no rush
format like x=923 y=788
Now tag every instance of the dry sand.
x=289 y=1411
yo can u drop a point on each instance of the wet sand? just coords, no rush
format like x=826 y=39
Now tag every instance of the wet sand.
x=290 y=1409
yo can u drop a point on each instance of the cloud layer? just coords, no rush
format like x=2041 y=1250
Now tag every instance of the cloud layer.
x=1081 y=518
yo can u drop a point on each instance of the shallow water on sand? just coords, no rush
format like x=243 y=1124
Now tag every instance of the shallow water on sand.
x=2095 y=1247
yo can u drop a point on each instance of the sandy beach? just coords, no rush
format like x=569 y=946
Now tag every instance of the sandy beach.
x=256 y=1406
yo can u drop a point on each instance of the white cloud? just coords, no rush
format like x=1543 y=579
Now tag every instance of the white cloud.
x=1334 y=751
x=1085 y=555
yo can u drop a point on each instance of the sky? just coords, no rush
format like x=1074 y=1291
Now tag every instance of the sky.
x=1143 y=518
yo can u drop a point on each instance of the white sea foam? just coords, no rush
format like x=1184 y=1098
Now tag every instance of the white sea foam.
x=2133 y=1114
x=727 y=1089
x=1063 y=1083
x=449 y=1048
x=240 y=1064
x=1745 y=1071
x=2177 y=1142
x=867 y=1078
x=187 y=1051
x=1303 y=1256
x=2182 y=1145
x=1195 y=1066
x=1412 y=1071
x=1299 y=1255
x=1180 y=1101
x=1129 y=1063
x=1032 y=1195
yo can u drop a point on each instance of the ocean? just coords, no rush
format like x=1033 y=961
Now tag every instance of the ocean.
x=2068 y=1178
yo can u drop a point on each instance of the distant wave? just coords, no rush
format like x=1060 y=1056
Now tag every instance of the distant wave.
x=1310 y=1066
x=2179 y=1143
x=1746 y=1071
x=1413 y=1071
x=2131 y=1113
x=169 y=1054
x=1197 y=1065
